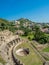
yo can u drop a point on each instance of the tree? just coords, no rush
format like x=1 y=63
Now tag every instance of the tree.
x=40 y=36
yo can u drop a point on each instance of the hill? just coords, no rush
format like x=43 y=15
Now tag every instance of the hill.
x=24 y=20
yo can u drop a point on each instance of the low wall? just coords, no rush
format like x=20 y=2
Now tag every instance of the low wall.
x=16 y=60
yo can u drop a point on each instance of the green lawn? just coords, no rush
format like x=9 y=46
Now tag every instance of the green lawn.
x=46 y=49
x=1 y=60
x=32 y=58
x=47 y=34
x=29 y=35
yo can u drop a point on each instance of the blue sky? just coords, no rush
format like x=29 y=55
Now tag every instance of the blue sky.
x=35 y=10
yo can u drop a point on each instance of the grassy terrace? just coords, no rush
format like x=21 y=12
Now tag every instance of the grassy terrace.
x=32 y=58
x=46 y=49
x=1 y=60
x=31 y=36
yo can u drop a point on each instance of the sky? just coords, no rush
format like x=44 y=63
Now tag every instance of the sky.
x=35 y=10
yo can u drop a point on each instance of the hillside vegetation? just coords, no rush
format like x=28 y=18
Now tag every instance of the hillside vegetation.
x=5 y=24
x=33 y=31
